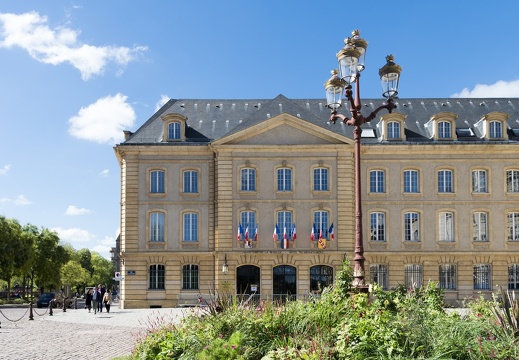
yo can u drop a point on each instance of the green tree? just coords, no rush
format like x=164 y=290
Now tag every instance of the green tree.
x=73 y=274
x=15 y=250
x=104 y=270
x=49 y=257
x=85 y=259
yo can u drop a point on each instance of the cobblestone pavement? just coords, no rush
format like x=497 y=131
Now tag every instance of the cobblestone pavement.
x=76 y=332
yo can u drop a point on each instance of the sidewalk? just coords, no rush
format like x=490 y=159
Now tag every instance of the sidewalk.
x=78 y=333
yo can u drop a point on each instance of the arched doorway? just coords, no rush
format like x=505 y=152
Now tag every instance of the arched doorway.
x=285 y=285
x=321 y=276
x=248 y=282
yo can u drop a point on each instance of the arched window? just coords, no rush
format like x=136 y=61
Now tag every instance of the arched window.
x=284 y=282
x=284 y=179
x=190 y=226
x=190 y=277
x=321 y=276
x=321 y=179
x=447 y=276
x=393 y=130
x=378 y=275
x=495 y=130
x=157 y=181
x=378 y=226
x=174 y=131
x=248 y=179
x=377 y=181
x=191 y=181
x=156 y=222
x=444 y=130
x=157 y=274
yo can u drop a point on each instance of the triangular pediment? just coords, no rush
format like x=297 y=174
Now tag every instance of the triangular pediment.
x=284 y=129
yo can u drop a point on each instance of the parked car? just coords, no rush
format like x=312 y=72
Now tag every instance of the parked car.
x=45 y=299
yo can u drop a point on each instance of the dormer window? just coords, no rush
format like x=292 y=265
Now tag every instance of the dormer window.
x=444 y=130
x=393 y=130
x=174 y=127
x=174 y=131
x=441 y=126
x=391 y=126
x=492 y=126
x=495 y=130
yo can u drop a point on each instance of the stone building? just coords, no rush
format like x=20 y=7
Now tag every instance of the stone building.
x=266 y=187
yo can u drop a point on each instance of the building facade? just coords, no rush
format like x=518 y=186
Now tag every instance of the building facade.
x=266 y=187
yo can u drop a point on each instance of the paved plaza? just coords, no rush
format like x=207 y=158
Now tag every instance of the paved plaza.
x=77 y=333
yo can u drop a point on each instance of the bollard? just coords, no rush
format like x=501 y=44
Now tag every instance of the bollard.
x=65 y=304
x=31 y=317
x=51 y=304
x=75 y=303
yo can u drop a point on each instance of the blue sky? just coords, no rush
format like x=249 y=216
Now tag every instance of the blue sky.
x=75 y=74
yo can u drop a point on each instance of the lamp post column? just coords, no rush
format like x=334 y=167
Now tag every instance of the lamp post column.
x=358 y=260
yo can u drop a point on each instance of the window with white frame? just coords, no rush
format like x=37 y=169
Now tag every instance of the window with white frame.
x=321 y=179
x=157 y=181
x=284 y=179
x=480 y=226
x=447 y=276
x=482 y=273
x=378 y=274
x=378 y=226
x=411 y=226
x=413 y=276
x=479 y=181
x=444 y=130
x=377 y=182
x=191 y=181
x=321 y=223
x=157 y=227
x=174 y=131
x=411 y=181
x=285 y=222
x=446 y=226
x=495 y=130
x=190 y=226
x=445 y=183
x=512 y=181
x=513 y=226
x=248 y=179
x=393 y=130
x=513 y=276
x=157 y=275
x=248 y=223
x=190 y=277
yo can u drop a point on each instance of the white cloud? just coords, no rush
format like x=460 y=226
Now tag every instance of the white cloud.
x=104 y=173
x=505 y=89
x=104 y=120
x=74 y=235
x=74 y=210
x=5 y=169
x=19 y=200
x=30 y=32
x=163 y=99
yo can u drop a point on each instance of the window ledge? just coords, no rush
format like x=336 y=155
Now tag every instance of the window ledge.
x=447 y=245
x=412 y=245
x=156 y=245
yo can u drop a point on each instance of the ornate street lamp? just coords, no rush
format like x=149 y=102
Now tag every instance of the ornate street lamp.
x=351 y=63
x=225 y=267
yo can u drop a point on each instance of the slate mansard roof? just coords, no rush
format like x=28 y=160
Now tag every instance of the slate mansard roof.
x=212 y=119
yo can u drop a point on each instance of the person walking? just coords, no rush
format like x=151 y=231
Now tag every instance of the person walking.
x=107 y=299
x=88 y=300
x=96 y=299
x=100 y=295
